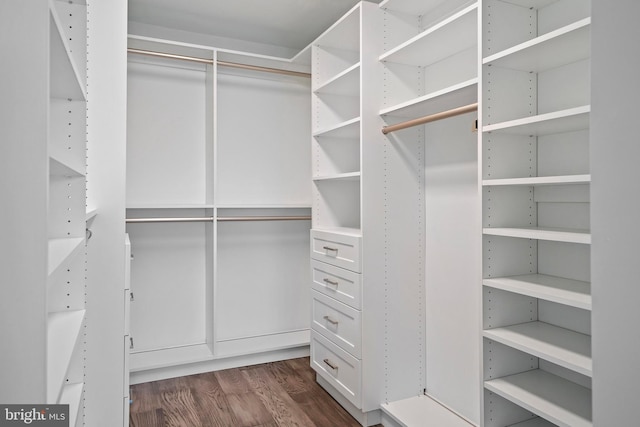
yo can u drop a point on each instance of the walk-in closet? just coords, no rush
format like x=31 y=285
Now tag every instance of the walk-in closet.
x=397 y=213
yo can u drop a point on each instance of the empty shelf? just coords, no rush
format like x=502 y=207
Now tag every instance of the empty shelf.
x=561 y=346
x=63 y=329
x=560 y=401
x=60 y=250
x=574 y=293
x=554 y=49
x=568 y=120
x=541 y=233
x=540 y=180
x=415 y=410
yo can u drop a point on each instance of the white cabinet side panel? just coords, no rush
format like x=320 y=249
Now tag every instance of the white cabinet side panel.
x=614 y=211
x=107 y=77
x=452 y=267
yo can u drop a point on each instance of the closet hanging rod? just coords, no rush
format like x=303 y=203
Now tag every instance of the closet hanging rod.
x=220 y=218
x=222 y=63
x=431 y=118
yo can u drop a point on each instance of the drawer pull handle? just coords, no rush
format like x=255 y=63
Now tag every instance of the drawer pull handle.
x=330 y=364
x=330 y=320
x=329 y=248
x=131 y=343
x=331 y=282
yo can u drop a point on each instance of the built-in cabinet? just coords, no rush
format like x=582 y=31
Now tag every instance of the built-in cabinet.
x=429 y=174
x=218 y=206
x=49 y=324
x=536 y=205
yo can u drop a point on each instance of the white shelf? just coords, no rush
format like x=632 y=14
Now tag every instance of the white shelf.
x=539 y=180
x=59 y=168
x=347 y=231
x=351 y=176
x=541 y=233
x=451 y=97
x=156 y=359
x=65 y=78
x=412 y=7
x=345 y=83
x=63 y=329
x=91 y=213
x=561 y=346
x=72 y=396
x=62 y=249
x=536 y=422
x=415 y=410
x=346 y=129
x=454 y=34
x=170 y=206
x=559 y=401
x=569 y=292
x=275 y=206
x=554 y=49
x=568 y=120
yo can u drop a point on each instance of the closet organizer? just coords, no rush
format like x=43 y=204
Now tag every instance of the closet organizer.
x=395 y=239
x=218 y=207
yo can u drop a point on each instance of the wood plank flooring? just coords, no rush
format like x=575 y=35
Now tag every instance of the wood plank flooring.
x=278 y=394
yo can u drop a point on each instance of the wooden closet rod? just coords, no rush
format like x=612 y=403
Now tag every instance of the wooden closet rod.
x=430 y=118
x=222 y=63
x=220 y=218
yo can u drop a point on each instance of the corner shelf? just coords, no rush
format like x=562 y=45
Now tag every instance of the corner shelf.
x=569 y=292
x=561 y=346
x=563 y=46
x=562 y=402
x=63 y=329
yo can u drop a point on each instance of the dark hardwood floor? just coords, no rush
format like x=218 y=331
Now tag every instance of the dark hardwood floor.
x=278 y=394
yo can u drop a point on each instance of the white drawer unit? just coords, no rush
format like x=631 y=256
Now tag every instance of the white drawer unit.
x=338 y=283
x=337 y=367
x=341 y=250
x=338 y=322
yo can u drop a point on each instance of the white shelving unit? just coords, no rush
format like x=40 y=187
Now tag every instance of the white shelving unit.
x=535 y=183
x=66 y=285
x=235 y=153
x=429 y=65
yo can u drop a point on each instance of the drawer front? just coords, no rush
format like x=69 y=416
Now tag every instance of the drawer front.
x=338 y=322
x=338 y=283
x=341 y=250
x=337 y=367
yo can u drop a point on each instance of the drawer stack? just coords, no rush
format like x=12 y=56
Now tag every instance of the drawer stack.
x=336 y=295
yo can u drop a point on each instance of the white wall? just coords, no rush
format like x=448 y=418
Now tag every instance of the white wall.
x=615 y=154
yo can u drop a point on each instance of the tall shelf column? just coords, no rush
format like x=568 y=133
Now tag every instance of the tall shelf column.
x=536 y=195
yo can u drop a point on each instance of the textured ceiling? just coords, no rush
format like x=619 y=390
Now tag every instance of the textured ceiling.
x=288 y=23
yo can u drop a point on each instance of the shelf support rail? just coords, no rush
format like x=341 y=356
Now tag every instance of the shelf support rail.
x=431 y=118
x=220 y=218
x=221 y=63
